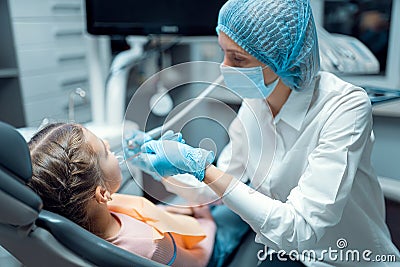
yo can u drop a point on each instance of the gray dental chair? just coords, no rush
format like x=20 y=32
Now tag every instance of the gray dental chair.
x=37 y=237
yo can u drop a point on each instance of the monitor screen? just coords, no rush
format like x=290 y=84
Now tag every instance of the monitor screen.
x=375 y=24
x=368 y=21
x=134 y=17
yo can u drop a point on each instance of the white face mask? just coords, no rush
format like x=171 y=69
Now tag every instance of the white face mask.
x=247 y=82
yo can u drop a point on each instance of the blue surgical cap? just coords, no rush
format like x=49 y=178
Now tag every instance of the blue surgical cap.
x=279 y=33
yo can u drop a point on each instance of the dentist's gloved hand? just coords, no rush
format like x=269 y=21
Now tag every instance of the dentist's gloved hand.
x=138 y=138
x=167 y=158
x=133 y=144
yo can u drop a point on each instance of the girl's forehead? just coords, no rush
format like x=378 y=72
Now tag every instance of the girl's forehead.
x=92 y=140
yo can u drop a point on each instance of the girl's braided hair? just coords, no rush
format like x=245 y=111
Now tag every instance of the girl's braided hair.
x=66 y=171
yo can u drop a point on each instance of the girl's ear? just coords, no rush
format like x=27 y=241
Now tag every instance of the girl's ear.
x=102 y=195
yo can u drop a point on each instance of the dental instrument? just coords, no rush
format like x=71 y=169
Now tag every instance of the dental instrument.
x=120 y=154
x=121 y=159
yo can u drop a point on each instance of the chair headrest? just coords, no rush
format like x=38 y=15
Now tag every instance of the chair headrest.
x=14 y=152
x=21 y=205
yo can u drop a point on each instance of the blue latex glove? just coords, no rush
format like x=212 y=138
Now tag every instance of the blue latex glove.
x=133 y=144
x=166 y=158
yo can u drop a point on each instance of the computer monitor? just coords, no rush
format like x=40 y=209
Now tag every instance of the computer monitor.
x=138 y=17
x=374 y=23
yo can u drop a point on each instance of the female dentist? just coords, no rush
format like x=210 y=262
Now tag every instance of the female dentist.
x=302 y=140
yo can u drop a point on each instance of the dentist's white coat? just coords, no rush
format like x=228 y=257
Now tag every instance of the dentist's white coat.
x=311 y=171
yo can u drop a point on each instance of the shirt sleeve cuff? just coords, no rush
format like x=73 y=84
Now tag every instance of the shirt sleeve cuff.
x=252 y=206
x=190 y=189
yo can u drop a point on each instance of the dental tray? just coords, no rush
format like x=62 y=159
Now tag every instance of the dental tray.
x=379 y=95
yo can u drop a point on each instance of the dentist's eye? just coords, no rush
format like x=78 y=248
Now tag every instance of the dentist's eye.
x=238 y=59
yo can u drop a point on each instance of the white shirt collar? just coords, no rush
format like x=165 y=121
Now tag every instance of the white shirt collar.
x=294 y=111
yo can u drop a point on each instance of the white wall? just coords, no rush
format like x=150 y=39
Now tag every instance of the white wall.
x=386 y=152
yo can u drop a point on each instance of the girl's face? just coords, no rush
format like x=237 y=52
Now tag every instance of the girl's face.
x=108 y=162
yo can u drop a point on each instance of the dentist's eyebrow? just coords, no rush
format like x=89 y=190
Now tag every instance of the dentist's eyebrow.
x=236 y=51
x=233 y=50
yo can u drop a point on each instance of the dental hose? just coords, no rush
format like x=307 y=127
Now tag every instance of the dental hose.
x=156 y=132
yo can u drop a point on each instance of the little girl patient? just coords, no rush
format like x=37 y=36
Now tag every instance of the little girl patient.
x=75 y=174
